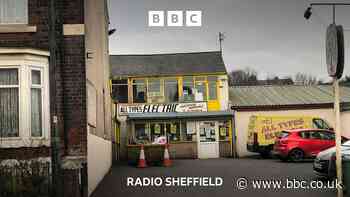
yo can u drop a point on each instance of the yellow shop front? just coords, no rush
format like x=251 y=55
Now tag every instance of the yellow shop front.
x=176 y=103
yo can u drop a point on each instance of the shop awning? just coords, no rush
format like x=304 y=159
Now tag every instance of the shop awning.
x=175 y=115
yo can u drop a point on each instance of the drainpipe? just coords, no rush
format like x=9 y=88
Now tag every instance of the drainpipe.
x=55 y=137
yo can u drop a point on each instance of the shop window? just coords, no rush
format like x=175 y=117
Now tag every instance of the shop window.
x=155 y=87
x=152 y=132
x=170 y=130
x=187 y=89
x=157 y=130
x=171 y=90
x=120 y=90
x=141 y=133
x=224 y=130
x=212 y=86
x=139 y=91
x=188 y=131
x=173 y=131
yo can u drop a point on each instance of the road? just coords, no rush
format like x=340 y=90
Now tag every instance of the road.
x=230 y=170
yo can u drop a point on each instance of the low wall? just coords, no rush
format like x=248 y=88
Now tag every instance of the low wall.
x=155 y=153
x=225 y=148
x=99 y=160
x=183 y=150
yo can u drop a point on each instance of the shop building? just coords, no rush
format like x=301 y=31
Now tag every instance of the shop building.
x=180 y=97
x=286 y=100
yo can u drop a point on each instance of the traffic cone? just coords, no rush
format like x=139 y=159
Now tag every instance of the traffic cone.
x=142 y=160
x=166 y=161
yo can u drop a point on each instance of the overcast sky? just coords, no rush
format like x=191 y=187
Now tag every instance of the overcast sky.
x=269 y=36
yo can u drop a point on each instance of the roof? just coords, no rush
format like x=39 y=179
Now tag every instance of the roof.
x=181 y=115
x=167 y=64
x=287 y=81
x=244 y=97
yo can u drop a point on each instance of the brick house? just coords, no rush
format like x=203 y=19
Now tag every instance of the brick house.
x=82 y=102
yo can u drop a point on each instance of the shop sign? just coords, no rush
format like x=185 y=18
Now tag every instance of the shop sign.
x=125 y=109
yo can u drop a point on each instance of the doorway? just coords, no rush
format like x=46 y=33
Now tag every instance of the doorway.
x=208 y=139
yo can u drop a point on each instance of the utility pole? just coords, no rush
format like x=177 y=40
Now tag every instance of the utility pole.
x=335 y=64
x=55 y=137
x=338 y=154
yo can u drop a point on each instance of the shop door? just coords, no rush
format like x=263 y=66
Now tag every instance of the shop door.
x=208 y=143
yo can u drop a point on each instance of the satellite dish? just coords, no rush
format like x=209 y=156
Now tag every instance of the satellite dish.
x=335 y=50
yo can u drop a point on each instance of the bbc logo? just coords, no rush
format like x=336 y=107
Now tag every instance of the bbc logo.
x=175 y=18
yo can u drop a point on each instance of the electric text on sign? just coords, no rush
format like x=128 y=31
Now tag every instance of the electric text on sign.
x=175 y=18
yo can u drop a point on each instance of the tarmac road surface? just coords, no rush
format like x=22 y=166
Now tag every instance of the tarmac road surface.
x=216 y=177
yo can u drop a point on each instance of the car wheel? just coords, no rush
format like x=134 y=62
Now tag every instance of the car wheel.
x=296 y=155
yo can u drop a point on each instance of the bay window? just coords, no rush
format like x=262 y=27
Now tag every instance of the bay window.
x=13 y=12
x=24 y=101
x=9 y=105
x=36 y=103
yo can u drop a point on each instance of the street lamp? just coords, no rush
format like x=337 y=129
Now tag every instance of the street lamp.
x=308 y=13
x=111 y=31
x=335 y=65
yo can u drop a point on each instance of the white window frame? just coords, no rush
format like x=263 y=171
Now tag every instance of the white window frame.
x=41 y=87
x=19 y=95
x=24 y=22
x=25 y=63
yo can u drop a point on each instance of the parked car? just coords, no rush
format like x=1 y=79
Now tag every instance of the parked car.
x=263 y=130
x=324 y=164
x=298 y=144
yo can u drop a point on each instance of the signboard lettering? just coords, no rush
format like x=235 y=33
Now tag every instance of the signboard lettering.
x=125 y=109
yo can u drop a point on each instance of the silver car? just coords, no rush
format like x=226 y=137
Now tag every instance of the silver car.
x=324 y=164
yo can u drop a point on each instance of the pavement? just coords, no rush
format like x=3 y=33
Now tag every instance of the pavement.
x=230 y=171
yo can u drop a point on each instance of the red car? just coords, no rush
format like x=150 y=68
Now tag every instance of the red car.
x=302 y=143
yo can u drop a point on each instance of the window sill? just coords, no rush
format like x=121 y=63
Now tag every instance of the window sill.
x=17 y=28
x=23 y=142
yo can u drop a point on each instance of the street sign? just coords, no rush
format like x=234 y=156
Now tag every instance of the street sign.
x=340 y=67
x=335 y=50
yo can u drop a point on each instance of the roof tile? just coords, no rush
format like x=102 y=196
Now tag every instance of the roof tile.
x=167 y=64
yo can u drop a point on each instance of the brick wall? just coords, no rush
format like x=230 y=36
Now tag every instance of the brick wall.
x=24 y=153
x=70 y=75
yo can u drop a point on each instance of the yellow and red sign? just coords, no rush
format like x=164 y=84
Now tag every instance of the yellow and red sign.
x=268 y=128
